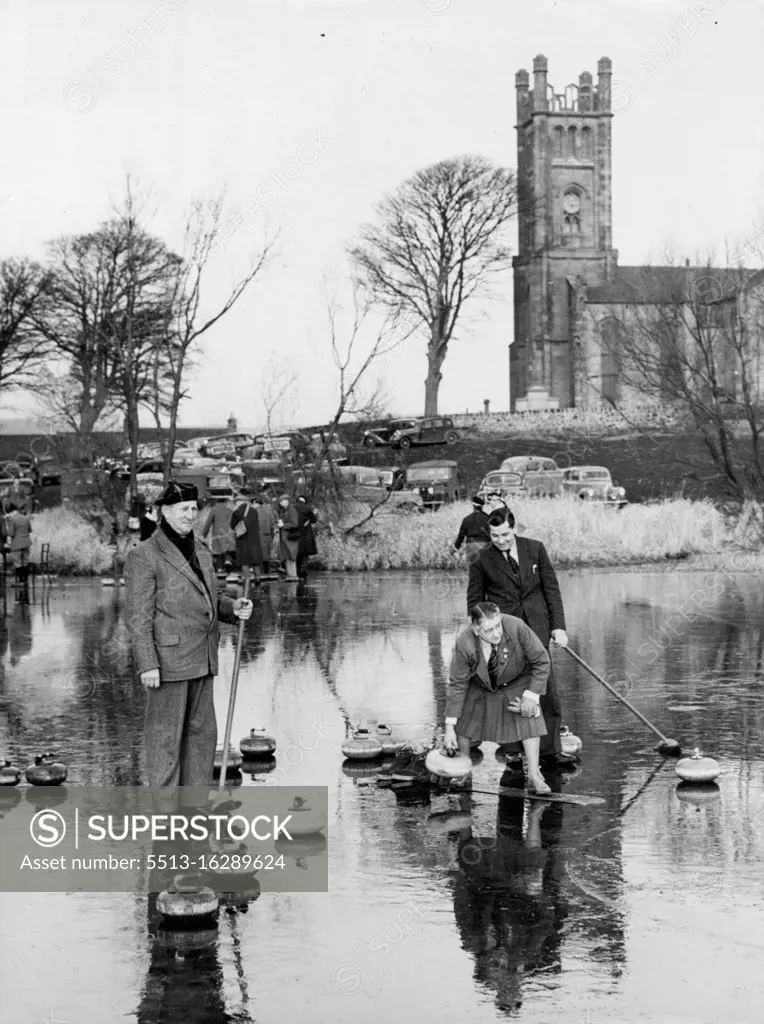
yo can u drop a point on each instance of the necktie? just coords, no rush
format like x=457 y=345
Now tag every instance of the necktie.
x=513 y=564
x=493 y=665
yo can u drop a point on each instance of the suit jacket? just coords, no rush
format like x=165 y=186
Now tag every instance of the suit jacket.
x=533 y=595
x=521 y=655
x=173 y=621
x=474 y=527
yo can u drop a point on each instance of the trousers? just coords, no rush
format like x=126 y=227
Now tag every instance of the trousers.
x=181 y=733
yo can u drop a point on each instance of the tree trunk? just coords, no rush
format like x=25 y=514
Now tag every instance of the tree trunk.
x=436 y=354
x=431 y=386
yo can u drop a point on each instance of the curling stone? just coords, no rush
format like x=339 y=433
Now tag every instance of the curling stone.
x=301 y=846
x=9 y=798
x=362 y=746
x=46 y=771
x=698 y=768
x=262 y=767
x=305 y=821
x=233 y=764
x=360 y=769
x=698 y=793
x=446 y=766
x=10 y=775
x=258 y=744
x=186 y=898
x=385 y=737
x=570 y=744
x=445 y=823
x=183 y=941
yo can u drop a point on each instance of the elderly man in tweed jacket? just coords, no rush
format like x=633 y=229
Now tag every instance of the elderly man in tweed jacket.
x=173 y=614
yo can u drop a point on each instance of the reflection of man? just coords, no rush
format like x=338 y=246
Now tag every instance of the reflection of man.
x=173 y=613
x=474 y=530
x=507 y=898
x=517 y=575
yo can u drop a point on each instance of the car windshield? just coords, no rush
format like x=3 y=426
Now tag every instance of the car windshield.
x=595 y=474
x=502 y=479
x=428 y=475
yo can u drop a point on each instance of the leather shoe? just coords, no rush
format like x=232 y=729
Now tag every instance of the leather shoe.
x=559 y=759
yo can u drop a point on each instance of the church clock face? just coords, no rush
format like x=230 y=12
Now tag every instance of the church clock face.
x=571 y=203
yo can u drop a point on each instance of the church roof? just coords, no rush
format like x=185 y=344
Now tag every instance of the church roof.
x=656 y=285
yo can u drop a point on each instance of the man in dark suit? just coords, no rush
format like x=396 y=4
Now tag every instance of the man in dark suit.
x=473 y=530
x=517 y=575
x=173 y=613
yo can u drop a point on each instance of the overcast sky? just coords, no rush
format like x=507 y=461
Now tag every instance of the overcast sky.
x=191 y=97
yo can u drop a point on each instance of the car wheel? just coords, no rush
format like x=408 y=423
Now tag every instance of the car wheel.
x=405 y=442
x=369 y=442
x=452 y=437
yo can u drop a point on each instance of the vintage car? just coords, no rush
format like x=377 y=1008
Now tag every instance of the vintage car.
x=383 y=432
x=381 y=484
x=437 y=482
x=263 y=474
x=540 y=476
x=593 y=483
x=430 y=430
x=506 y=485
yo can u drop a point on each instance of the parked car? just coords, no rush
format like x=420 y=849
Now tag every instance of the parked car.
x=507 y=485
x=219 y=448
x=197 y=443
x=437 y=482
x=593 y=483
x=383 y=432
x=431 y=430
x=540 y=476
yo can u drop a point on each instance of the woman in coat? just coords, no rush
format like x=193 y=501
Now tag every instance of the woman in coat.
x=306 y=546
x=289 y=535
x=499 y=669
x=246 y=529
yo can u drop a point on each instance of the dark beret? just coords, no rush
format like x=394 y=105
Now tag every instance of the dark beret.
x=174 y=493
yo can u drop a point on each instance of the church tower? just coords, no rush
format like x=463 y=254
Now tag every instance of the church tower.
x=564 y=182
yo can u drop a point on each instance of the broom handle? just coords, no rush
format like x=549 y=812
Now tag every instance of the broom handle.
x=232 y=698
x=616 y=694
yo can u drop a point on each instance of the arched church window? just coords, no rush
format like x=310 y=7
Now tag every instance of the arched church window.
x=611 y=360
x=586 y=143
x=572 y=142
x=558 y=134
x=571 y=213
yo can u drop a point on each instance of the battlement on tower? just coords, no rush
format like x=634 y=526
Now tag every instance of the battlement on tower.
x=583 y=98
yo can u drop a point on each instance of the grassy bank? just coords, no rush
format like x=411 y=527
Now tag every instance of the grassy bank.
x=575 y=535
x=75 y=546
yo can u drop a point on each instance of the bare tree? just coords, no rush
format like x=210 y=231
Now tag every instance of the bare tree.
x=695 y=340
x=78 y=307
x=357 y=345
x=187 y=325
x=23 y=349
x=140 y=322
x=277 y=382
x=438 y=243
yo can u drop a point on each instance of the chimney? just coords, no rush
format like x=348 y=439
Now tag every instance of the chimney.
x=539 y=83
x=604 y=76
x=522 y=84
x=585 y=92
